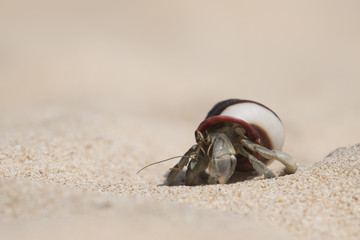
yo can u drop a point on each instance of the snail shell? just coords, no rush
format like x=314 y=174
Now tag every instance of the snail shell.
x=260 y=122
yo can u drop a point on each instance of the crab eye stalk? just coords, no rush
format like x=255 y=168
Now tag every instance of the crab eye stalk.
x=199 y=136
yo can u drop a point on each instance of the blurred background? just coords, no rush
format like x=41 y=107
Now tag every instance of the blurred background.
x=173 y=60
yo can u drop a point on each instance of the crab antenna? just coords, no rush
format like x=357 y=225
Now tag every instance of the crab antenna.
x=168 y=159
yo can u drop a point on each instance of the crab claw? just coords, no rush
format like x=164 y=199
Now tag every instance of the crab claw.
x=223 y=160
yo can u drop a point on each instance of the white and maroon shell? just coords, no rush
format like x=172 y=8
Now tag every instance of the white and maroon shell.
x=262 y=125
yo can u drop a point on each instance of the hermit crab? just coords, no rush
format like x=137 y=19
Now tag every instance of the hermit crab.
x=236 y=135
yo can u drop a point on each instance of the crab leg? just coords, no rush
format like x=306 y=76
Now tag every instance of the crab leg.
x=259 y=166
x=288 y=161
x=181 y=164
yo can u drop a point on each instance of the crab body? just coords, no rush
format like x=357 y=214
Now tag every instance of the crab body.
x=236 y=135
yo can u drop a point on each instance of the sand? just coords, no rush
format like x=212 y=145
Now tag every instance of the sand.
x=90 y=92
x=72 y=175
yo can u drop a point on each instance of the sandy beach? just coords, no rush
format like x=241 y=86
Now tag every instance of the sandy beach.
x=91 y=92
